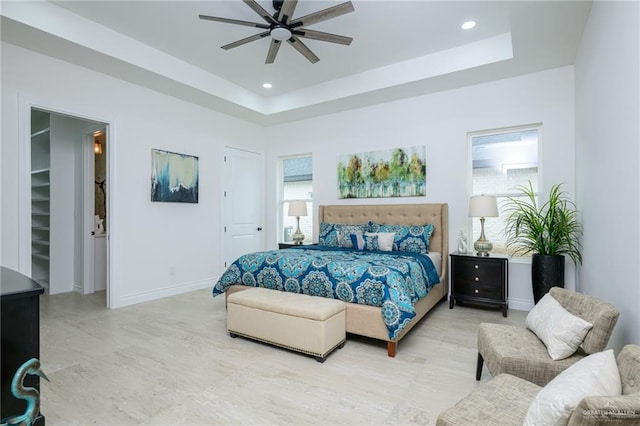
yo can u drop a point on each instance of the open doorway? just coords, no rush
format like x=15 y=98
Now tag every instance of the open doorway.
x=68 y=202
x=98 y=140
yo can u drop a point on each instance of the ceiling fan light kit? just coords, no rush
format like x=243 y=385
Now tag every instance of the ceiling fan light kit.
x=280 y=27
x=280 y=33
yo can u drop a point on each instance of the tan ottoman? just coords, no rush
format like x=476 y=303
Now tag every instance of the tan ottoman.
x=308 y=324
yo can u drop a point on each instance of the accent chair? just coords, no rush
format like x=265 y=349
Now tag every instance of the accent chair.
x=505 y=400
x=519 y=352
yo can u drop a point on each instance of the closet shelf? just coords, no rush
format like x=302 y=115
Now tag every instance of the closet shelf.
x=40 y=132
x=40 y=187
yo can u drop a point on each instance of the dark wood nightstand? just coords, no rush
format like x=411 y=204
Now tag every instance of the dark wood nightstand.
x=482 y=279
x=289 y=245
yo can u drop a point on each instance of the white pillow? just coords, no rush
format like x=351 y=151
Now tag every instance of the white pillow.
x=595 y=375
x=560 y=331
x=385 y=239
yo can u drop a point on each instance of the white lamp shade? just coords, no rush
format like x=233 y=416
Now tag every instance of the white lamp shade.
x=483 y=206
x=297 y=208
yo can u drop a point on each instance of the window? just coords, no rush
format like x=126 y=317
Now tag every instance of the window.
x=297 y=184
x=502 y=160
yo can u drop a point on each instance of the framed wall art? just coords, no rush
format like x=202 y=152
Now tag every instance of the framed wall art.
x=398 y=172
x=174 y=177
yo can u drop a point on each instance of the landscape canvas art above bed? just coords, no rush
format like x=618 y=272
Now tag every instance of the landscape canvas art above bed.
x=400 y=172
x=174 y=177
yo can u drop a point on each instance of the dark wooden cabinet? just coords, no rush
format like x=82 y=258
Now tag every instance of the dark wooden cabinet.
x=479 y=279
x=20 y=335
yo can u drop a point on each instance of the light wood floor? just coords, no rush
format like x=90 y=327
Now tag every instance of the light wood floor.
x=171 y=362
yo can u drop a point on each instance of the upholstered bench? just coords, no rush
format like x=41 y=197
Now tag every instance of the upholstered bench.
x=307 y=324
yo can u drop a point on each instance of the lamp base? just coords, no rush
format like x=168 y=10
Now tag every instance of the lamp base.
x=483 y=247
x=298 y=238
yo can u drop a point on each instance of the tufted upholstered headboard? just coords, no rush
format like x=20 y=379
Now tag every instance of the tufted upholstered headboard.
x=397 y=214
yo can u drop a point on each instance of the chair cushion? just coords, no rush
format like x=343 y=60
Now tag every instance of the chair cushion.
x=594 y=375
x=619 y=410
x=501 y=401
x=560 y=331
x=518 y=351
x=623 y=410
x=601 y=314
x=629 y=366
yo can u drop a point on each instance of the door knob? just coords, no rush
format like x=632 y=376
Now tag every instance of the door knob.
x=259 y=228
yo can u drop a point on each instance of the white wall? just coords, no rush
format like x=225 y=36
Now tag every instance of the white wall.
x=607 y=156
x=157 y=249
x=441 y=122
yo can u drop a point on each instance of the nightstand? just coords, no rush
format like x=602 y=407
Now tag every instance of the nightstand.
x=289 y=245
x=482 y=279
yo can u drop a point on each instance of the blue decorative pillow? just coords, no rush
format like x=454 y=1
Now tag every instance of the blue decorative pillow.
x=345 y=231
x=339 y=234
x=328 y=235
x=371 y=242
x=365 y=242
x=409 y=238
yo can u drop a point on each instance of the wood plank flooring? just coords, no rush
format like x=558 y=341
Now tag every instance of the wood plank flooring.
x=171 y=361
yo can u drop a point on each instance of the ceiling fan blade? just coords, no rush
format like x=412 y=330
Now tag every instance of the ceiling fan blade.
x=319 y=35
x=302 y=48
x=245 y=40
x=273 y=51
x=286 y=11
x=260 y=11
x=323 y=15
x=233 y=21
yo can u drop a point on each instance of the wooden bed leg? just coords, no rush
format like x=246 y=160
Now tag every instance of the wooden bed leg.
x=392 y=348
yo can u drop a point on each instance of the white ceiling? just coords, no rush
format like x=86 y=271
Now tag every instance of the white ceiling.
x=400 y=49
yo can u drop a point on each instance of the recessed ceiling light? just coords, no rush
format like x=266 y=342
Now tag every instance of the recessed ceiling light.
x=468 y=25
x=267 y=85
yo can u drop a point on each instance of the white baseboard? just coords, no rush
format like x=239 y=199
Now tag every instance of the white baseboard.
x=520 y=304
x=146 y=296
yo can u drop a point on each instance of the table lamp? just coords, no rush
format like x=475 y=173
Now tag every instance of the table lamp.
x=483 y=206
x=298 y=208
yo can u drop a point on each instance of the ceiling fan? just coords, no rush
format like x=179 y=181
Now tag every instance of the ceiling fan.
x=281 y=26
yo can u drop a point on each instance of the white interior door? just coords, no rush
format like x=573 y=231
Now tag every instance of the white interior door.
x=242 y=204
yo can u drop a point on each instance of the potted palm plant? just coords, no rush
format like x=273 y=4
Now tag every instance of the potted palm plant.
x=548 y=232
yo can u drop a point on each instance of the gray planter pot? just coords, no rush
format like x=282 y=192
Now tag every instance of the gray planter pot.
x=546 y=271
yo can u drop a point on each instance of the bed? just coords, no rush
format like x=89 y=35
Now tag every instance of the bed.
x=363 y=319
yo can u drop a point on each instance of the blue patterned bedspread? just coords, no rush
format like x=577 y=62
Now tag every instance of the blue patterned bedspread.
x=391 y=280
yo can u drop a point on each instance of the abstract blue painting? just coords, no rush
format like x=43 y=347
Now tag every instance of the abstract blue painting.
x=174 y=177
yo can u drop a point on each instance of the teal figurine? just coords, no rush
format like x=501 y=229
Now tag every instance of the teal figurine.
x=29 y=394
